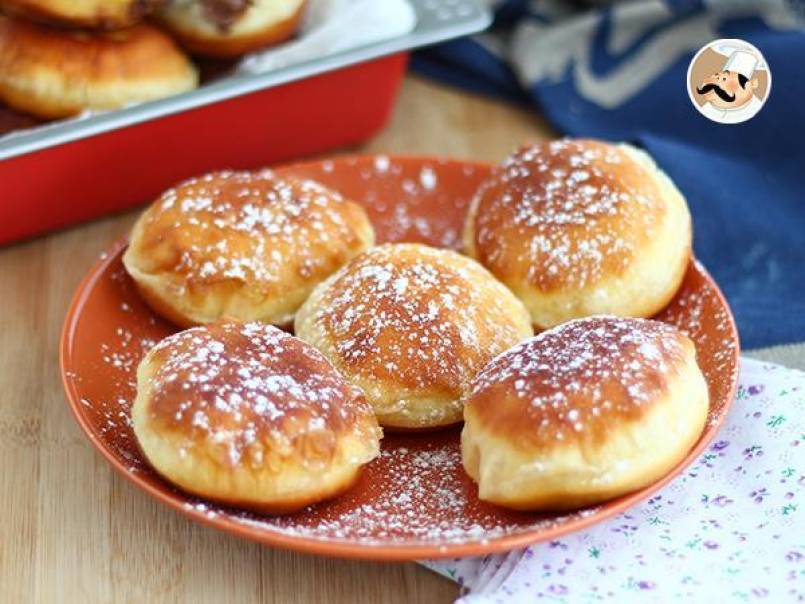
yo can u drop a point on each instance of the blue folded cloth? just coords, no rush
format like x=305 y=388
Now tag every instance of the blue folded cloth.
x=618 y=72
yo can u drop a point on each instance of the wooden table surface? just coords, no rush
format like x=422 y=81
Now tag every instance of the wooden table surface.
x=72 y=530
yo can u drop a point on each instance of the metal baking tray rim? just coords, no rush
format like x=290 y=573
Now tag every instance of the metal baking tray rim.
x=427 y=31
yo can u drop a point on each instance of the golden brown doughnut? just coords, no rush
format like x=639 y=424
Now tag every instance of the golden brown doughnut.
x=230 y=28
x=101 y=14
x=55 y=73
x=584 y=412
x=244 y=245
x=581 y=227
x=412 y=325
x=250 y=416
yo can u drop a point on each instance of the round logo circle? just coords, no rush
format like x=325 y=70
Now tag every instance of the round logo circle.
x=728 y=81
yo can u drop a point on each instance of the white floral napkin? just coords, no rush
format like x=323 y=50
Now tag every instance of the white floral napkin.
x=730 y=529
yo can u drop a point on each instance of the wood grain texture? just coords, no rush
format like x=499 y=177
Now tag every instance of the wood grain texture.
x=73 y=531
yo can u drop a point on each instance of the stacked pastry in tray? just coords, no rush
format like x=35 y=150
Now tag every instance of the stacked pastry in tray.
x=577 y=239
x=59 y=58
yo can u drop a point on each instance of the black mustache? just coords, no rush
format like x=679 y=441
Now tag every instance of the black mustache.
x=723 y=94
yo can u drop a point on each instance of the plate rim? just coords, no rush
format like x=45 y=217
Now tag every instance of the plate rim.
x=352 y=549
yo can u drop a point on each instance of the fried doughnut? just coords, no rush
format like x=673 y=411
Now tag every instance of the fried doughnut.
x=93 y=14
x=250 y=416
x=230 y=28
x=584 y=412
x=412 y=325
x=581 y=227
x=244 y=245
x=54 y=73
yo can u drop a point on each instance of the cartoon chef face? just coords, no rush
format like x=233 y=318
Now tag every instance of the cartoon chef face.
x=737 y=90
x=733 y=86
x=727 y=89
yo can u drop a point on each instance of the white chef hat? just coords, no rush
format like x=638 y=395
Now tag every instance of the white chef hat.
x=743 y=62
x=740 y=57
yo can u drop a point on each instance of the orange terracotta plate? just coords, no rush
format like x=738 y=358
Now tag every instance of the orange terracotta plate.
x=415 y=501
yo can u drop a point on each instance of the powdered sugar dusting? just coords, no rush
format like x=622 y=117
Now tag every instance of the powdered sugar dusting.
x=403 y=193
x=701 y=315
x=249 y=227
x=576 y=376
x=388 y=498
x=234 y=389
x=418 y=316
x=558 y=210
x=432 y=501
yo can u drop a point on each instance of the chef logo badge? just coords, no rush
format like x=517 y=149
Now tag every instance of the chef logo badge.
x=728 y=81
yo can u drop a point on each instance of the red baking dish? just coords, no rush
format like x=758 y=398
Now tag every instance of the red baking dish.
x=115 y=170
x=76 y=170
